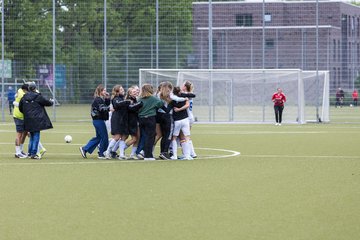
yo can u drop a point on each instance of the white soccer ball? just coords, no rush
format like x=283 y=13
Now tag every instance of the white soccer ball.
x=68 y=139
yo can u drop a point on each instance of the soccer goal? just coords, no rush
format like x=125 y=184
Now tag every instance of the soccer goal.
x=244 y=95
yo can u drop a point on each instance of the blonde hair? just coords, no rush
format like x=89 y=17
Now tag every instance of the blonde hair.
x=116 y=91
x=128 y=92
x=189 y=86
x=98 y=90
x=165 y=90
x=147 y=90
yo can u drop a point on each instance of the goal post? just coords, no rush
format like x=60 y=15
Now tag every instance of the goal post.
x=244 y=95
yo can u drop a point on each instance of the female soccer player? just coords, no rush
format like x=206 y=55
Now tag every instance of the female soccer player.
x=279 y=99
x=99 y=113
x=119 y=122
x=188 y=88
x=181 y=123
x=133 y=121
x=147 y=121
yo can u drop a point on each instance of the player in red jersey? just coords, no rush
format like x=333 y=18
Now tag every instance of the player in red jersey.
x=279 y=99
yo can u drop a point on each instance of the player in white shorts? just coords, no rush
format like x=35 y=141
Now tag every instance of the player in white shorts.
x=181 y=123
x=188 y=88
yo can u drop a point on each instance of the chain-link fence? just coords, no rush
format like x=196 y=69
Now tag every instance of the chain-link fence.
x=70 y=46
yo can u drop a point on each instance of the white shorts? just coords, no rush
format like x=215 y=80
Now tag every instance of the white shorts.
x=182 y=125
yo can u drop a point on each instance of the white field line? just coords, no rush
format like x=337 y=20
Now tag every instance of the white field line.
x=231 y=153
x=301 y=156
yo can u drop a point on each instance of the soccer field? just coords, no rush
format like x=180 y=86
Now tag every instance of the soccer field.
x=251 y=181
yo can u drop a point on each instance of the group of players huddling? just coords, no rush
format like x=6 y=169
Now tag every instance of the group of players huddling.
x=146 y=116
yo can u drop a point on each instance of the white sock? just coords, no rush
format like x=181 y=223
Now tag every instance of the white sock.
x=40 y=146
x=133 y=150
x=17 y=149
x=116 y=146
x=122 y=148
x=192 y=151
x=111 y=145
x=21 y=147
x=174 y=148
x=186 y=149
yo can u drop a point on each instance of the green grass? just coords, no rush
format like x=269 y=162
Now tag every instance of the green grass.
x=289 y=182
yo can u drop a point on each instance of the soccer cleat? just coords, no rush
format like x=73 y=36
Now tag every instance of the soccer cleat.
x=122 y=157
x=42 y=152
x=83 y=152
x=114 y=155
x=140 y=156
x=20 y=155
x=149 y=159
x=173 y=158
x=194 y=156
x=164 y=156
x=37 y=157
x=101 y=157
x=107 y=155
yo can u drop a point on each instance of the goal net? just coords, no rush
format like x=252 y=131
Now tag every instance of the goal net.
x=244 y=95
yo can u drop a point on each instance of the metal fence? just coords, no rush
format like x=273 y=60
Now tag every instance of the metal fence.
x=70 y=46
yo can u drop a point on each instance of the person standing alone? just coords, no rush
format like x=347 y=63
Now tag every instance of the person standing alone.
x=11 y=99
x=355 y=96
x=279 y=99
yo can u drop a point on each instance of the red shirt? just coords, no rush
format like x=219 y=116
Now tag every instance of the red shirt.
x=355 y=95
x=278 y=99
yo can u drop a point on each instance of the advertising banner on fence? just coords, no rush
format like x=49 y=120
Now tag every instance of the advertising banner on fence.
x=44 y=72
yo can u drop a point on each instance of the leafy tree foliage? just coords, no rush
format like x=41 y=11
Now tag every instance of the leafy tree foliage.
x=80 y=37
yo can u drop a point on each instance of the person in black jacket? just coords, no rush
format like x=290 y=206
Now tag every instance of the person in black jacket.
x=133 y=120
x=32 y=105
x=119 y=122
x=99 y=113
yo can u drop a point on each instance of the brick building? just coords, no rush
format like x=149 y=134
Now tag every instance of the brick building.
x=289 y=37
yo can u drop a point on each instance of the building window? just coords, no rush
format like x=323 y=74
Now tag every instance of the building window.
x=267 y=17
x=269 y=43
x=244 y=20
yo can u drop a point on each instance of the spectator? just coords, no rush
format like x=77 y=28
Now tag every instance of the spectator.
x=11 y=98
x=339 y=98
x=19 y=123
x=32 y=105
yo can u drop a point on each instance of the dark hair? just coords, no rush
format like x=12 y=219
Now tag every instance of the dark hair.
x=25 y=86
x=176 y=91
x=32 y=86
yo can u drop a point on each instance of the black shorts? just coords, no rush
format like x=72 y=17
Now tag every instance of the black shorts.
x=19 y=125
x=133 y=130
